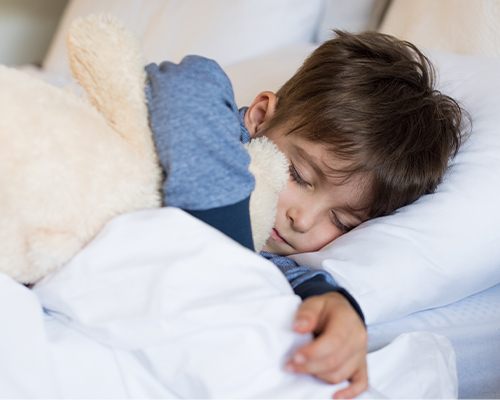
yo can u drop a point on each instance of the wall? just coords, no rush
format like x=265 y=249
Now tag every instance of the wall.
x=26 y=28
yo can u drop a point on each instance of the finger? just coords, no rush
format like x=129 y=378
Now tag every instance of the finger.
x=319 y=355
x=359 y=383
x=345 y=371
x=334 y=348
x=329 y=354
x=307 y=316
x=340 y=344
x=337 y=373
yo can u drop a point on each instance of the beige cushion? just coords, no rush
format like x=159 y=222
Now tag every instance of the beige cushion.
x=226 y=30
x=459 y=26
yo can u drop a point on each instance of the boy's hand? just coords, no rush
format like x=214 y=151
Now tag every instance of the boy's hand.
x=338 y=352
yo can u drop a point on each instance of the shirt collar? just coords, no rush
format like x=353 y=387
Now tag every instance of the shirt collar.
x=245 y=135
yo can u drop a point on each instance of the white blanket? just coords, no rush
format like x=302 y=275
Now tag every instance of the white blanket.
x=161 y=305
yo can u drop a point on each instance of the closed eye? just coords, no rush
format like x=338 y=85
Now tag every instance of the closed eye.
x=336 y=221
x=294 y=174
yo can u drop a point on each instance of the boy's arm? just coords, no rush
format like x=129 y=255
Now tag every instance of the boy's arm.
x=319 y=285
x=338 y=352
x=196 y=129
x=307 y=282
x=233 y=220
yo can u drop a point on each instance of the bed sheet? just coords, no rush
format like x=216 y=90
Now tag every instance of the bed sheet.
x=162 y=305
x=473 y=327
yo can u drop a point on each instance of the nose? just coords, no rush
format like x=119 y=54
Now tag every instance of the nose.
x=301 y=219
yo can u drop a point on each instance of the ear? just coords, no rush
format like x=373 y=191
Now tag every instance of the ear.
x=259 y=112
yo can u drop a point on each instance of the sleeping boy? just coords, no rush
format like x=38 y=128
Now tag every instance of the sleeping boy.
x=365 y=133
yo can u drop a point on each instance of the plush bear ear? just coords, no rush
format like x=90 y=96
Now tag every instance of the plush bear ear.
x=105 y=58
x=270 y=168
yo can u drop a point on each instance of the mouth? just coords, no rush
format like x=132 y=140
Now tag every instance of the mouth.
x=278 y=238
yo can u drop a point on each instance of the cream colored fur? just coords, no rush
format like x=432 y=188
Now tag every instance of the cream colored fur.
x=67 y=167
x=270 y=168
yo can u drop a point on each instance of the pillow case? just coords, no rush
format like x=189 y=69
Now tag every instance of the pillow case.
x=226 y=30
x=446 y=245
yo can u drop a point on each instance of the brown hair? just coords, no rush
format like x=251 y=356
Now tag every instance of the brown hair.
x=371 y=99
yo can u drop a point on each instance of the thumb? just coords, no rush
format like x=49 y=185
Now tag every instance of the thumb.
x=307 y=316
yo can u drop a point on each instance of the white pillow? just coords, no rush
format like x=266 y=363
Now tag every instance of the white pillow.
x=445 y=246
x=226 y=30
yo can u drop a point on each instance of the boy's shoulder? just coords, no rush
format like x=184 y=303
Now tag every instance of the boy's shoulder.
x=191 y=69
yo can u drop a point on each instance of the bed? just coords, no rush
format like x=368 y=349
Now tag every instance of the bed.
x=130 y=316
x=473 y=326
x=444 y=301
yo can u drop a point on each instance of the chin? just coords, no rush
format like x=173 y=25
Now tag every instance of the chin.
x=272 y=248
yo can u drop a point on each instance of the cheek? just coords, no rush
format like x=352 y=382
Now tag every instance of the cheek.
x=287 y=197
x=326 y=234
x=321 y=236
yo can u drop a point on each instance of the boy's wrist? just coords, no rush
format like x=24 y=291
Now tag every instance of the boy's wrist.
x=315 y=286
x=318 y=286
x=352 y=301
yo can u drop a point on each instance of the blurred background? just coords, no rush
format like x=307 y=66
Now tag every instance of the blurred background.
x=28 y=27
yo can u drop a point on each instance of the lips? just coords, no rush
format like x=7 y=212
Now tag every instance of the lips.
x=277 y=237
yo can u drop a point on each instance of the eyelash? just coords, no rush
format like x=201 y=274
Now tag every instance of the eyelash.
x=294 y=174
x=340 y=225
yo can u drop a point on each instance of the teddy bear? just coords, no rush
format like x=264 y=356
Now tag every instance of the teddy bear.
x=69 y=164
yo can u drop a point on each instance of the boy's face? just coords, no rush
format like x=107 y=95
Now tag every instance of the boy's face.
x=314 y=208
